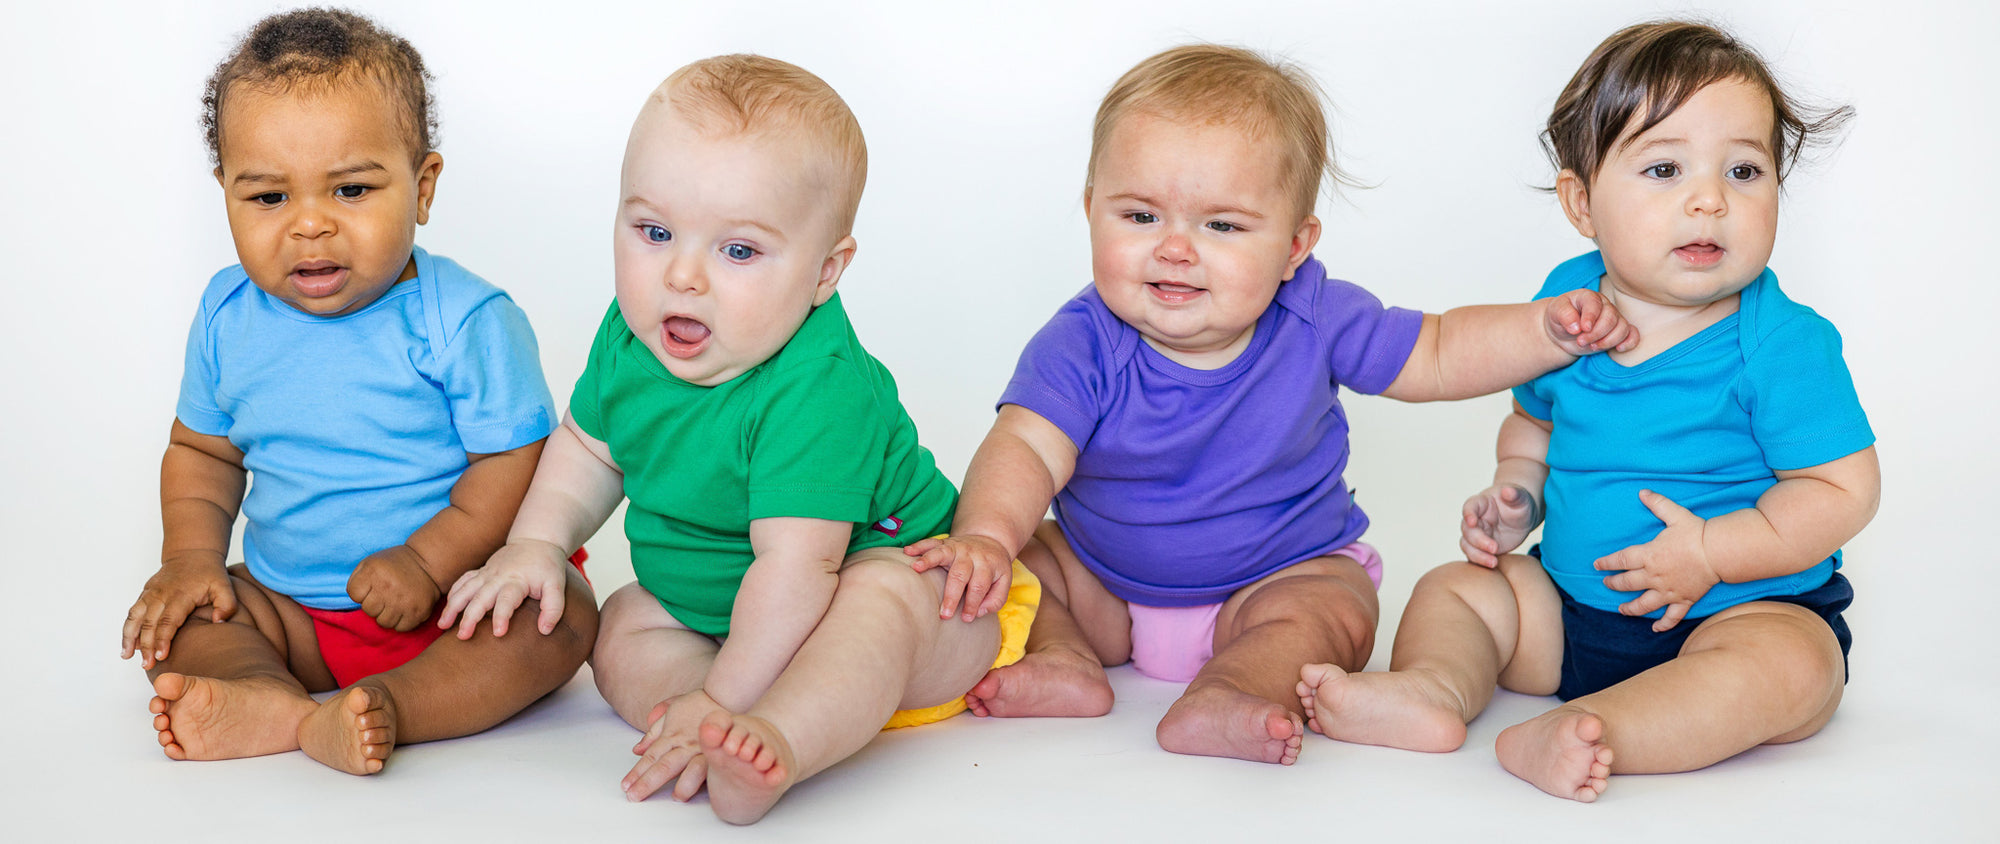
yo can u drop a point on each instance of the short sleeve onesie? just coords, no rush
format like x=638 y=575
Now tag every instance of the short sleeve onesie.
x=354 y=428
x=1705 y=423
x=816 y=431
x=1190 y=484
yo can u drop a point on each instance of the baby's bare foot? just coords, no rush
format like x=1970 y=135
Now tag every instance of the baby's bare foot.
x=1056 y=681
x=1408 y=709
x=1561 y=752
x=206 y=718
x=750 y=765
x=1219 y=720
x=353 y=731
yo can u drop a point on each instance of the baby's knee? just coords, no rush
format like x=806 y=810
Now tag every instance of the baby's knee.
x=1796 y=655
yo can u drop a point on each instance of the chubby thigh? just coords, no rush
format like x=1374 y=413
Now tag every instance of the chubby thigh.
x=948 y=656
x=1337 y=588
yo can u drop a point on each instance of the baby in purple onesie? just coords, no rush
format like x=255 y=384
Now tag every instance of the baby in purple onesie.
x=1182 y=414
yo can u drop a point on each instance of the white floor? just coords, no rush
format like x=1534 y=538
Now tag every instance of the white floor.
x=1908 y=757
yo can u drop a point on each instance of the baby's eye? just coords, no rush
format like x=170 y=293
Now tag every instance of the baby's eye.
x=272 y=198
x=1223 y=226
x=1664 y=170
x=1745 y=172
x=739 y=252
x=351 y=191
x=1144 y=218
x=655 y=234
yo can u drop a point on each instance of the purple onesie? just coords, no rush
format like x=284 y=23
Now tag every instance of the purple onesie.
x=1191 y=484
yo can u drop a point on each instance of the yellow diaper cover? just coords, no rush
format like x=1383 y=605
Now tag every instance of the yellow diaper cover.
x=1016 y=616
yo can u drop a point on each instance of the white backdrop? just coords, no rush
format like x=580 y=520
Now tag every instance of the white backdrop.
x=971 y=234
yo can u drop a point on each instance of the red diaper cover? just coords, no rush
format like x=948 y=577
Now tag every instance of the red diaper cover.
x=354 y=646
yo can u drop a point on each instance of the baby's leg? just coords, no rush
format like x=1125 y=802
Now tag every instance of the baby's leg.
x=646 y=664
x=1753 y=674
x=880 y=648
x=645 y=656
x=1466 y=628
x=1244 y=702
x=1060 y=675
x=232 y=690
x=454 y=688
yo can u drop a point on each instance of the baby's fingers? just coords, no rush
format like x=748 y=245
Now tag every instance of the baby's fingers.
x=934 y=557
x=157 y=637
x=476 y=607
x=997 y=597
x=505 y=602
x=691 y=779
x=1648 y=601
x=954 y=587
x=976 y=590
x=128 y=636
x=1564 y=314
x=653 y=771
x=1675 y=612
x=552 y=598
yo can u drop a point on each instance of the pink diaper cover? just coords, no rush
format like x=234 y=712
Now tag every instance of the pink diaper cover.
x=1173 y=643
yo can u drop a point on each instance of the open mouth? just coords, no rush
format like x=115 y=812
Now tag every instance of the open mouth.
x=1700 y=253
x=1172 y=293
x=683 y=337
x=316 y=279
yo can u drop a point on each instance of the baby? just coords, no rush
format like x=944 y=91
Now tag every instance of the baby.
x=1182 y=412
x=1697 y=486
x=389 y=406
x=772 y=471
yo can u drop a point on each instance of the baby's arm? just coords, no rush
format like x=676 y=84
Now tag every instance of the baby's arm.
x=399 y=586
x=782 y=598
x=1498 y=519
x=201 y=486
x=1798 y=522
x=1475 y=350
x=576 y=486
x=1024 y=460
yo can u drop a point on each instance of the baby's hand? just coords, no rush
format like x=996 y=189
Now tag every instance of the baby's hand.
x=1583 y=322
x=521 y=569
x=981 y=571
x=1671 y=571
x=1496 y=521
x=392 y=587
x=670 y=749
x=182 y=585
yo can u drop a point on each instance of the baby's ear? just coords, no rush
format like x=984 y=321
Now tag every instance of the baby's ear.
x=427 y=181
x=829 y=270
x=1575 y=198
x=1304 y=238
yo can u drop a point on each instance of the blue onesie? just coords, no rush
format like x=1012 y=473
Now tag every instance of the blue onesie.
x=354 y=428
x=1705 y=423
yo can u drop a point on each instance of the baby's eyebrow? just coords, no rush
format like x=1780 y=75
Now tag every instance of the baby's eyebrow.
x=256 y=177
x=356 y=169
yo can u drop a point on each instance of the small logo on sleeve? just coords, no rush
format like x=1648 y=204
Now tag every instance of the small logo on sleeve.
x=889 y=526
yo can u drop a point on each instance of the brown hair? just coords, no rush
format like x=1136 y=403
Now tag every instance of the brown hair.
x=319 y=48
x=741 y=93
x=1643 y=73
x=1217 y=84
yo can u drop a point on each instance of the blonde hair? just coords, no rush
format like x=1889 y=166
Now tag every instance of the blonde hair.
x=1215 y=84
x=749 y=94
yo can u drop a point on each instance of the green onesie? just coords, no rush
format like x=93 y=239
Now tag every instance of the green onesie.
x=816 y=431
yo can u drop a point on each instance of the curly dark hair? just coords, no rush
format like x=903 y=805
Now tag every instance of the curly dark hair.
x=1641 y=74
x=320 y=47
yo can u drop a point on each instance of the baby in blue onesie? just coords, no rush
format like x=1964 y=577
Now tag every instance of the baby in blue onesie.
x=385 y=409
x=1697 y=488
